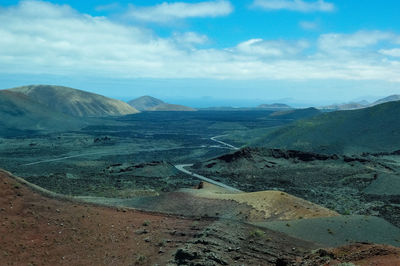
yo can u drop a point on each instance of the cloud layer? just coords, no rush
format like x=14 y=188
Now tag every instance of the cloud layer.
x=167 y=12
x=295 y=5
x=391 y=52
x=43 y=38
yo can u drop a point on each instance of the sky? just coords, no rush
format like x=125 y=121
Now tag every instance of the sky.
x=203 y=53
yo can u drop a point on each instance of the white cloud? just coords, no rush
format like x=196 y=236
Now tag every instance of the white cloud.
x=361 y=44
x=167 y=12
x=262 y=48
x=308 y=25
x=190 y=38
x=357 y=40
x=295 y=5
x=395 y=52
x=43 y=38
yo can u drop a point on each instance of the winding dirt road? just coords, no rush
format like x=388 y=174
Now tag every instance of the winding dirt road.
x=181 y=167
x=223 y=143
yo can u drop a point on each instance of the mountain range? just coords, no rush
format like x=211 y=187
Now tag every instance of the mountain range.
x=360 y=104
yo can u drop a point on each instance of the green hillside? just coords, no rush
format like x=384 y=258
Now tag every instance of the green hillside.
x=296 y=114
x=366 y=130
x=19 y=112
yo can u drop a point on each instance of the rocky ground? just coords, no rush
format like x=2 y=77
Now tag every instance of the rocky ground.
x=367 y=184
x=38 y=230
x=108 y=165
x=120 y=180
x=355 y=254
x=44 y=231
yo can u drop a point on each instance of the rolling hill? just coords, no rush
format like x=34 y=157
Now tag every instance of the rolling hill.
x=19 y=112
x=148 y=103
x=296 y=114
x=75 y=102
x=366 y=130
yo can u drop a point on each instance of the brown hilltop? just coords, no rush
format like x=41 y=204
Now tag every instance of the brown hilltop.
x=75 y=102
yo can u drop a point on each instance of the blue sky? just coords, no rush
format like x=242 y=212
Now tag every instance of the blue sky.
x=216 y=52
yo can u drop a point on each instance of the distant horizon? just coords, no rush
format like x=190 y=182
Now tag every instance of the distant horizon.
x=209 y=101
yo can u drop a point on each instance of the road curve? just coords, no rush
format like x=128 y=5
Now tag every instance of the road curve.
x=224 y=143
x=181 y=167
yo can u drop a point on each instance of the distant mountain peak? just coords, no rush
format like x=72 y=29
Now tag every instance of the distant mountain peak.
x=149 y=103
x=145 y=102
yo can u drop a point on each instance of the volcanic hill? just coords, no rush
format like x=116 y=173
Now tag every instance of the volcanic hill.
x=148 y=103
x=75 y=102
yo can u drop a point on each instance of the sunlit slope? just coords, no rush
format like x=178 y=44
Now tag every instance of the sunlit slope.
x=75 y=102
x=273 y=205
x=19 y=112
x=366 y=130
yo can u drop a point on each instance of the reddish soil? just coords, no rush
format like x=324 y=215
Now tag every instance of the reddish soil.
x=358 y=254
x=369 y=254
x=37 y=230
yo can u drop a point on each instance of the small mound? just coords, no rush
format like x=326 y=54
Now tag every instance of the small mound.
x=275 y=205
x=158 y=169
x=252 y=155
